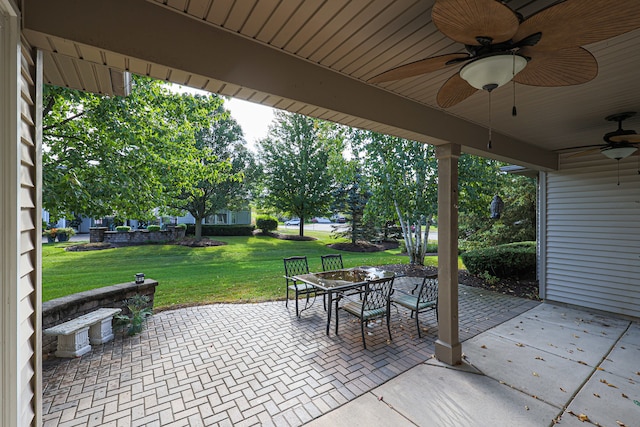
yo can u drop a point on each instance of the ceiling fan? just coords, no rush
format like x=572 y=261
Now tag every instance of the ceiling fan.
x=619 y=144
x=542 y=50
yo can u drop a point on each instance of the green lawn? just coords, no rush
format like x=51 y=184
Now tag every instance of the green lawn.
x=246 y=269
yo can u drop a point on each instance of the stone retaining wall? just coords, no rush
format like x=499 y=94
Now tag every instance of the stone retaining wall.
x=60 y=310
x=100 y=234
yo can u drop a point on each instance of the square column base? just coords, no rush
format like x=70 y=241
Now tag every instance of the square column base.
x=449 y=354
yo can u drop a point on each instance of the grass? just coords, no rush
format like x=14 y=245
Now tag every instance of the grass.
x=246 y=269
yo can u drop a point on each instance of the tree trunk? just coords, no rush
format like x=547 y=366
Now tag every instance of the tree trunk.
x=301 y=229
x=198 y=228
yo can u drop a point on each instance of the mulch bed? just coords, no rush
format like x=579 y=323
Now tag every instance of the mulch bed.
x=516 y=287
x=281 y=236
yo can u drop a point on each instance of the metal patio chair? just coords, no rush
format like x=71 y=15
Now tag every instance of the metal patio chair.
x=425 y=299
x=294 y=266
x=332 y=262
x=375 y=304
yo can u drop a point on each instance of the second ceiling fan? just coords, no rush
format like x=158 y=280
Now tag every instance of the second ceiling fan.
x=542 y=50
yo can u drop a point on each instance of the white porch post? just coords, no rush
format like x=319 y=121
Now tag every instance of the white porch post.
x=448 y=348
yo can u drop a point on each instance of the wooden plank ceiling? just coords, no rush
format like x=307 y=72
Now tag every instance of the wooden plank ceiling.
x=353 y=40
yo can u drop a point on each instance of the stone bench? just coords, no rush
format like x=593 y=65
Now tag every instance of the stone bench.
x=76 y=336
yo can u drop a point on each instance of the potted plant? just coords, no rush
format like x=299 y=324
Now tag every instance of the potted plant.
x=65 y=233
x=51 y=234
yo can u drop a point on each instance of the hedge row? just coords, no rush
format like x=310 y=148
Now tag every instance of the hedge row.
x=222 y=230
x=513 y=260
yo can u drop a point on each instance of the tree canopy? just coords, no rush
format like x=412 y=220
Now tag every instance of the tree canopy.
x=295 y=157
x=117 y=155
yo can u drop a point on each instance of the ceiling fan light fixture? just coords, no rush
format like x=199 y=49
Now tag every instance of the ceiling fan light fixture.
x=618 y=153
x=492 y=71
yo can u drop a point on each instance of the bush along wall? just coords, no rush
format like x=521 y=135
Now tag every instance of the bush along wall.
x=513 y=260
x=222 y=230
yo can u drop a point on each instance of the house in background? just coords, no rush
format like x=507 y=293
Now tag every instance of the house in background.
x=319 y=61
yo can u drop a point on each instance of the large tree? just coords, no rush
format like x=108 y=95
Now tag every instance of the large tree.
x=295 y=158
x=227 y=171
x=404 y=178
x=111 y=155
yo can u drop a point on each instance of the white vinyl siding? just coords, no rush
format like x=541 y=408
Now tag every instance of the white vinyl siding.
x=20 y=229
x=592 y=237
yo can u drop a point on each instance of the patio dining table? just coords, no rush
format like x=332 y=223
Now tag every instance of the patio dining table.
x=340 y=281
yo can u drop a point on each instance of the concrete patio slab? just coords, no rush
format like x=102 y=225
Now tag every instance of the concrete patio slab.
x=624 y=361
x=367 y=410
x=608 y=400
x=586 y=341
x=632 y=336
x=432 y=395
x=531 y=370
x=575 y=318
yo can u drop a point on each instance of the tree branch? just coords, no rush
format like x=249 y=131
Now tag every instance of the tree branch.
x=65 y=121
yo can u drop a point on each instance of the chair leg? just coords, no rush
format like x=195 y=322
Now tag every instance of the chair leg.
x=389 y=326
x=364 y=343
x=297 y=313
x=286 y=302
x=337 y=316
x=418 y=325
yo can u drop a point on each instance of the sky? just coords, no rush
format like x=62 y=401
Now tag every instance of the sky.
x=254 y=119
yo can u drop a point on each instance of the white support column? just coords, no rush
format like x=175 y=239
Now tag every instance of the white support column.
x=448 y=347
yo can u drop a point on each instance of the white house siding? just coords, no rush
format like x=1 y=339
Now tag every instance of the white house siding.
x=592 y=240
x=20 y=252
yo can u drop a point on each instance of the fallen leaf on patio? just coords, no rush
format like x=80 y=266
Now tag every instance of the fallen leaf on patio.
x=380 y=397
x=535 y=374
x=483 y=346
x=502 y=382
x=600 y=369
x=563 y=390
x=622 y=347
x=579 y=349
x=611 y=385
x=539 y=358
x=520 y=344
x=596 y=395
x=625 y=396
x=581 y=362
x=576 y=336
x=508 y=360
x=636 y=402
x=621 y=424
x=526 y=407
x=583 y=417
x=569 y=412
x=604 y=333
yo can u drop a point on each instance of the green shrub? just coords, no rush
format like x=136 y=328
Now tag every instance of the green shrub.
x=432 y=248
x=183 y=226
x=123 y=228
x=153 y=228
x=266 y=223
x=513 y=260
x=222 y=230
x=67 y=230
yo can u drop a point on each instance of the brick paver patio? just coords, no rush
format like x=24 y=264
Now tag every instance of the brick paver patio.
x=247 y=364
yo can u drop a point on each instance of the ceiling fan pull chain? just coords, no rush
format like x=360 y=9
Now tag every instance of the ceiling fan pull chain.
x=618 y=172
x=514 y=111
x=490 y=125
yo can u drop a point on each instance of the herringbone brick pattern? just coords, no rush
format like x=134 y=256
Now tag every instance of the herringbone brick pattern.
x=246 y=364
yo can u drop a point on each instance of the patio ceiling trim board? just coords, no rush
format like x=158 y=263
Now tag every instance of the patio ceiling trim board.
x=178 y=41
